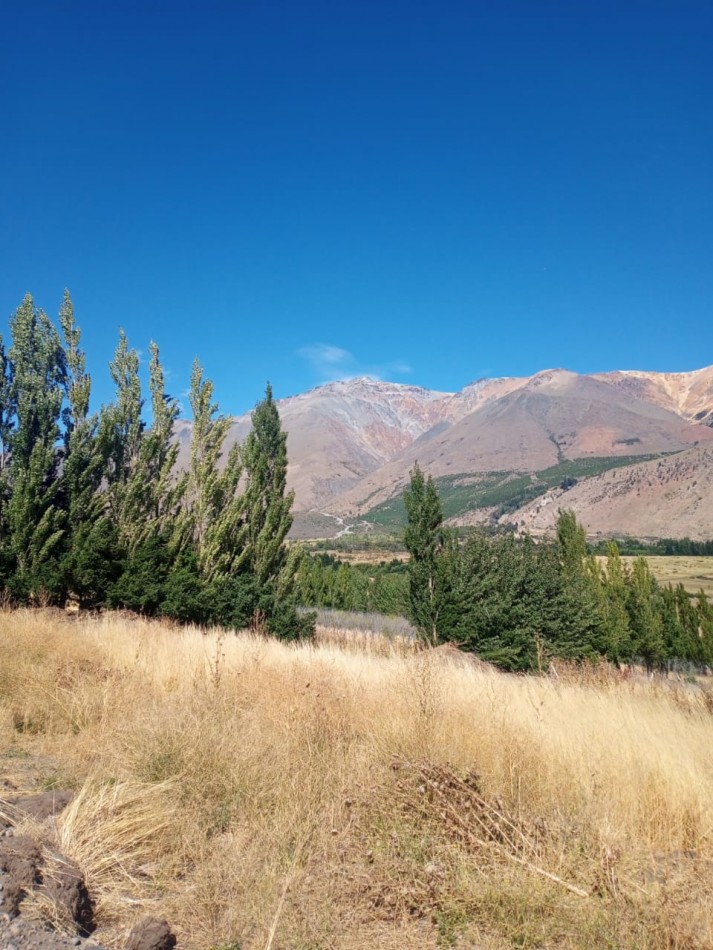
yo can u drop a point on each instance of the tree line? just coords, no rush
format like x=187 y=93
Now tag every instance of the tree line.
x=518 y=604
x=94 y=509
x=323 y=580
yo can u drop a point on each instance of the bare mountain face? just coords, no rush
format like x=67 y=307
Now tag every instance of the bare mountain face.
x=670 y=497
x=352 y=444
x=340 y=432
x=690 y=395
x=527 y=425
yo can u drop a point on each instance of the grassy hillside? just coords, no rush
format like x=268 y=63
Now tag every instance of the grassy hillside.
x=501 y=491
x=266 y=796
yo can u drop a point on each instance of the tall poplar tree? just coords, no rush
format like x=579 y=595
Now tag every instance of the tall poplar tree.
x=268 y=505
x=424 y=538
x=36 y=521
x=213 y=510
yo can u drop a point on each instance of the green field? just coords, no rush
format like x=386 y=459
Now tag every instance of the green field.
x=501 y=491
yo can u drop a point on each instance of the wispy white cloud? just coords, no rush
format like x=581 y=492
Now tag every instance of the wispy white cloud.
x=331 y=363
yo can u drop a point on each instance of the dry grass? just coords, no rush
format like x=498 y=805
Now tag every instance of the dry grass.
x=695 y=573
x=270 y=796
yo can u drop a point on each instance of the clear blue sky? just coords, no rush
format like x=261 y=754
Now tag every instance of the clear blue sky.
x=425 y=191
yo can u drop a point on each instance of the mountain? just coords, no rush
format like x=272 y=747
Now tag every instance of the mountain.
x=690 y=395
x=531 y=424
x=340 y=432
x=352 y=444
x=669 y=497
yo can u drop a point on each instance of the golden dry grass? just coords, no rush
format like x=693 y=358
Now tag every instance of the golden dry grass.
x=269 y=796
x=695 y=573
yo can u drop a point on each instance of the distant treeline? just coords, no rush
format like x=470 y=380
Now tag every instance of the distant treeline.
x=672 y=547
x=325 y=581
x=94 y=510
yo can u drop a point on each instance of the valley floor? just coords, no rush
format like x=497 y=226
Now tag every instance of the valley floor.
x=259 y=795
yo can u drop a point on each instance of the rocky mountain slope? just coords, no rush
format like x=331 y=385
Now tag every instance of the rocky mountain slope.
x=669 y=497
x=351 y=444
x=340 y=432
x=531 y=425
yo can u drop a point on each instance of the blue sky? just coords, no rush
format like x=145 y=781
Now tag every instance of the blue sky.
x=427 y=192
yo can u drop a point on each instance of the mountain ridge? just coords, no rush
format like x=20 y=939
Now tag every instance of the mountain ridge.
x=351 y=443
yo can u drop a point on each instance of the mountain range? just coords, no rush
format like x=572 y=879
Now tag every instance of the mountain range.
x=352 y=444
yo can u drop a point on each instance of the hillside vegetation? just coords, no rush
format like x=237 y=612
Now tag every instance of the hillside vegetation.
x=496 y=494
x=262 y=794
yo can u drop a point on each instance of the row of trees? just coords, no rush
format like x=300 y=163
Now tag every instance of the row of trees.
x=94 y=508
x=325 y=581
x=517 y=603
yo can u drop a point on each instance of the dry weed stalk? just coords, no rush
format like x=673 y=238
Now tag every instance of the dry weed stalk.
x=478 y=823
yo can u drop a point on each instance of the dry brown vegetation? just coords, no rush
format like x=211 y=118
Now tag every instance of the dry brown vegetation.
x=327 y=796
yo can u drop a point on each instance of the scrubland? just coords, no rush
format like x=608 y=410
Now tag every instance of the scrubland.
x=358 y=793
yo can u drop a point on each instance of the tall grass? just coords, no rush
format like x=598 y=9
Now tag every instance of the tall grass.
x=326 y=796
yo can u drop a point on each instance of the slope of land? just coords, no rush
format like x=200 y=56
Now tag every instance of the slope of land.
x=690 y=395
x=259 y=795
x=341 y=431
x=553 y=417
x=669 y=497
x=352 y=444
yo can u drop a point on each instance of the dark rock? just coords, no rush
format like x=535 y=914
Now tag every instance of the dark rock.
x=151 y=933
x=64 y=885
x=20 y=863
x=39 y=807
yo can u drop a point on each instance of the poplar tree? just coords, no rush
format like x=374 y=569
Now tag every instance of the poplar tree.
x=213 y=510
x=646 y=621
x=268 y=506
x=122 y=427
x=424 y=538
x=36 y=522
x=614 y=600
x=91 y=558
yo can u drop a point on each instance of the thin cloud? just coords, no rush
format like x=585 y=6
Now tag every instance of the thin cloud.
x=332 y=363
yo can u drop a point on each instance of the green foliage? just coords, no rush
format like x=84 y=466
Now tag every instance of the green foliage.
x=520 y=604
x=267 y=503
x=503 y=491
x=92 y=507
x=325 y=581
x=425 y=539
